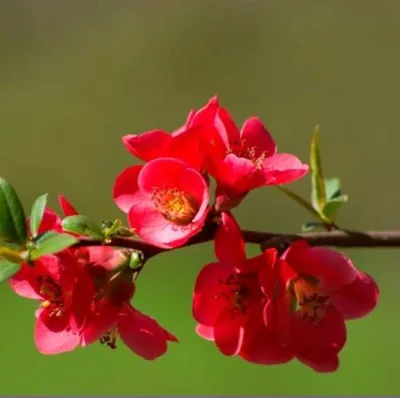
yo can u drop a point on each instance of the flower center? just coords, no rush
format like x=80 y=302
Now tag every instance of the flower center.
x=241 y=291
x=175 y=205
x=49 y=289
x=243 y=150
x=52 y=294
x=312 y=304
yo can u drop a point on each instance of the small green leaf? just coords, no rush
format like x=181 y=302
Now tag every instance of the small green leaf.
x=12 y=217
x=8 y=269
x=82 y=225
x=37 y=213
x=333 y=205
x=302 y=202
x=318 y=196
x=332 y=188
x=51 y=242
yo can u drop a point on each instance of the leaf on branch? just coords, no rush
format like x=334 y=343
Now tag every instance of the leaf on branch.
x=12 y=217
x=8 y=269
x=332 y=188
x=333 y=205
x=335 y=198
x=318 y=193
x=82 y=225
x=37 y=213
x=51 y=242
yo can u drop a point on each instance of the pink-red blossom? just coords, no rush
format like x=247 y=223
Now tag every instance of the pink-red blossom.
x=228 y=301
x=313 y=291
x=269 y=309
x=65 y=291
x=166 y=201
x=242 y=160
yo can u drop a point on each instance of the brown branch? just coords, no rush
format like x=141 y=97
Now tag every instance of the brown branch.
x=341 y=238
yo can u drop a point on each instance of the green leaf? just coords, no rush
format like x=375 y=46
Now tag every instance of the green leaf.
x=82 y=225
x=51 y=242
x=302 y=202
x=318 y=196
x=12 y=217
x=37 y=213
x=8 y=269
x=332 y=188
x=333 y=205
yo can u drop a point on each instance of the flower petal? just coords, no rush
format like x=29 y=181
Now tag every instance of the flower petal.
x=228 y=334
x=172 y=173
x=256 y=136
x=50 y=341
x=206 y=332
x=229 y=244
x=205 y=117
x=333 y=269
x=125 y=190
x=150 y=145
x=356 y=299
x=25 y=284
x=277 y=317
x=101 y=320
x=208 y=302
x=66 y=206
x=154 y=228
x=283 y=168
x=82 y=297
x=238 y=174
x=52 y=266
x=142 y=334
x=186 y=146
x=268 y=273
x=261 y=346
x=317 y=345
x=226 y=127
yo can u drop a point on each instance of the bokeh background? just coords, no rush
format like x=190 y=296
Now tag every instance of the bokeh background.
x=77 y=75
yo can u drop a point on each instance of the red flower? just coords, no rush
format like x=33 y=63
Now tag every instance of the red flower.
x=183 y=143
x=166 y=201
x=65 y=291
x=313 y=290
x=111 y=315
x=242 y=161
x=228 y=301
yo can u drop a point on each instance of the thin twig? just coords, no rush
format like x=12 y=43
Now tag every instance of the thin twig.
x=342 y=238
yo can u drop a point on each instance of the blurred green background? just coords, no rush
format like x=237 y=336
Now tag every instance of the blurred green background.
x=77 y=75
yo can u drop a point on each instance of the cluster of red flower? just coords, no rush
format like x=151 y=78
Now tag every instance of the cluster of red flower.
x=267 y=309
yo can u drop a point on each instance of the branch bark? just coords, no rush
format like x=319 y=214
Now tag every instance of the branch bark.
x=342 y=238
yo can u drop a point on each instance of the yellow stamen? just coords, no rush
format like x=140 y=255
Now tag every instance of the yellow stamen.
x=310 y=300
x=175 y=205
